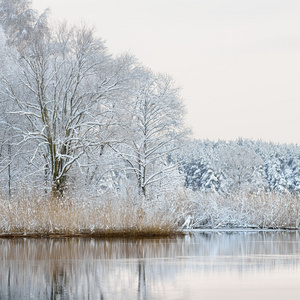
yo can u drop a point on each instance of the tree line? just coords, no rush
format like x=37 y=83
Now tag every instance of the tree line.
x=255 y=166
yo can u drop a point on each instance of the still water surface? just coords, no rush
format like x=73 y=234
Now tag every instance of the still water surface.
x=212 y=265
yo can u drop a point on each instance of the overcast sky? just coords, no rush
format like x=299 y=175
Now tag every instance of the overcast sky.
x=237 y=61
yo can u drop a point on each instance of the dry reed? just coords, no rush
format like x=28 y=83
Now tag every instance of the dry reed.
x=32 y=215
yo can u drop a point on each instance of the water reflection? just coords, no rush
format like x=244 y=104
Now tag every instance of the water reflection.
x=201 y=264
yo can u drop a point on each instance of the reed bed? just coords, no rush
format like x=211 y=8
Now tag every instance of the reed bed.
x=31 y=215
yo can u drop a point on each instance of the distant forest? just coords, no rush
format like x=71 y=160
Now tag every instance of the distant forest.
x=255 y=166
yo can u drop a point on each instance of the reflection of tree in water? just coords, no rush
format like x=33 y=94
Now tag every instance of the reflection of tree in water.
x=8 y=283
x=133 y=269
x=142 y=281
x=59 y=283
x=62 y=283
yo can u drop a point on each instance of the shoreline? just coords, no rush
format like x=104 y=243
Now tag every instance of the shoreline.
x=100 y=235
x=141 y=235
x=246 y=229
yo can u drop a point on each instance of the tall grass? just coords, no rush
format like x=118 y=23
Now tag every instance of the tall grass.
x=243 y=209
x=31 y=214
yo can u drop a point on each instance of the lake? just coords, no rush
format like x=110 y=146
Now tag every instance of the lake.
x=200 y=265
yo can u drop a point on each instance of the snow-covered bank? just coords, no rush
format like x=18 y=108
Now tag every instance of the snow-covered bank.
x=243 y=210
x=237 y=230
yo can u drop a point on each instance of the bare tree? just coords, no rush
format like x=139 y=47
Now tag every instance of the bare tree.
x=65 y=96
x=153 y=128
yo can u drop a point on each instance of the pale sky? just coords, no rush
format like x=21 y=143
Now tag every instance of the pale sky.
x=237 y=61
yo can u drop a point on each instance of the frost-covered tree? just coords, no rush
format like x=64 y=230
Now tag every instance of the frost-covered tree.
x=66 y=97
x=210 y=181
x=21 y=23
x=240 y=166
x=6 y=123
x=152 y=130
x=275 y=174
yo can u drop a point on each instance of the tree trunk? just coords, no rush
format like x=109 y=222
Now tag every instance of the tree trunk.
x=9 y=171
x=58 y=187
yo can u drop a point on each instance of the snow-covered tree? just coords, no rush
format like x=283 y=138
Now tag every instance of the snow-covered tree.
x=240 y=167
x=152 y=130
x=6 y=123
x=65 y=96
x=21 y=23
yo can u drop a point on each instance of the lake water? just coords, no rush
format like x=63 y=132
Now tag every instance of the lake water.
x=202 y=265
